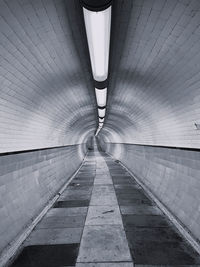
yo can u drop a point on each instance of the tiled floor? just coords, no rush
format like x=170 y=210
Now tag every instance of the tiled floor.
x=104 y=240
x=104 y=219
x=55 y=241
x=152 y=239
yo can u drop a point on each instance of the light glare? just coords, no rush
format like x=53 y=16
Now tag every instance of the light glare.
x=101 y=95
x=101 y=120
x=97 y=26
x=101 y=112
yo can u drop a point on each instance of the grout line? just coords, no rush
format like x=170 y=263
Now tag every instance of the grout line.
x=10 y=252
x=181 y=228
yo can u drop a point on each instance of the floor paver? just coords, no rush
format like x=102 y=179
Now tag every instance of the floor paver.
x=105 y=219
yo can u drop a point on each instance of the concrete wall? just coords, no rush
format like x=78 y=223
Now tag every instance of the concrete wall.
x=28 y=181
x=172 y=175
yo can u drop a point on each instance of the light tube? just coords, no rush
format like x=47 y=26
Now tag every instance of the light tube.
x=98 y=130
x=101 y=95
x=101 y=120
x=101 y=112
x=97 y=26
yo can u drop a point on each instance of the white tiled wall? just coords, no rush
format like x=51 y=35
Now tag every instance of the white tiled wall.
x=154 y=86
x=172 y=175
x=45 y=87
x=28 y=181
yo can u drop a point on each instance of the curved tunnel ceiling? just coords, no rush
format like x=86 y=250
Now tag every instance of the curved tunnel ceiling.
x=155 y=73
x=47 y=93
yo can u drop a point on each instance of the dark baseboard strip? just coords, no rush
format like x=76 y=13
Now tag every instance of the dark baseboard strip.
x=159 y=146
x=33 y=150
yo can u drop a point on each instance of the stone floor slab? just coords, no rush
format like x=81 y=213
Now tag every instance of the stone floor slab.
x=128 y=190
x=101 y=215
x=54 y=236
x=83 y=180
x=165 y=265
x=134 y=195
x=122 y=177
x=145 y=221
x=158 y=234
x=67 y=212
x=47 y=256
x=100 y=176
x=84 y=183
x=103 y=189
x=103 y=181
x=78 y=191
x=127 y=182
x=105 y=264
x=77 y=186
x=62 y=222
x=131 y=202
x=100 y=200
x=71 y=203
x=123 y=186
x=163 y=253
x=75 y=197
x=140 y=210
x=75 y=192
x=105 y=243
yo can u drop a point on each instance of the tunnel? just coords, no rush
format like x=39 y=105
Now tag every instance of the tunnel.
x=99 y=133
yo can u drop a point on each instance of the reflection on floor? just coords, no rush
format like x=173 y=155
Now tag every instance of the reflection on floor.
x=104 y=219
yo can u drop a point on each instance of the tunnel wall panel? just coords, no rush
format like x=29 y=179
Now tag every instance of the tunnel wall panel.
x=45 y=75
x=172 y=175
x=154 y=81
x=28 y=181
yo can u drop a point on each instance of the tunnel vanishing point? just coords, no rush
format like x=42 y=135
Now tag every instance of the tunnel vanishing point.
x=99 y=133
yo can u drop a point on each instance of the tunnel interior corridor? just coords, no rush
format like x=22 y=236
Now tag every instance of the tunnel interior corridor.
x=104 y=218
x=99 y=133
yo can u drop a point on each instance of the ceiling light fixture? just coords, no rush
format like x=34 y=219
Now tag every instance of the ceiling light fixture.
x=98 y=130
x=102 y=112
x=101 y=96
x=101 y=120
x=98 y=24
x=97 y=17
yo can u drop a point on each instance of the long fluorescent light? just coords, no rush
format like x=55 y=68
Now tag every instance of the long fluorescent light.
x=101 y=120
x=98 y=130
x=97 y=26
x=101 y=112
x=101 y=95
